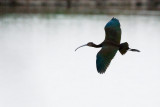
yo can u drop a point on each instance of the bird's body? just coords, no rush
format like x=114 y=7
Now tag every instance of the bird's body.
x=110 y=45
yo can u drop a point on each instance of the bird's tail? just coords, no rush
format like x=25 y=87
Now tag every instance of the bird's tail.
x=123 y=47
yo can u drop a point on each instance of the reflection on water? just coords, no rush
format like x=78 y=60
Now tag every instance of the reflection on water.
x=39 y=67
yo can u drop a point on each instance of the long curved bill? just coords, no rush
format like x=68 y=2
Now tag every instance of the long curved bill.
x=81 y=46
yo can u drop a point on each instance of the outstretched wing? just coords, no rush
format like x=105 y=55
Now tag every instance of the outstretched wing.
x=113 y=31
x=104 y=57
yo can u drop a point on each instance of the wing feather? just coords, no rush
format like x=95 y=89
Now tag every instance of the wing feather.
x=104 y=57
x=113 y=31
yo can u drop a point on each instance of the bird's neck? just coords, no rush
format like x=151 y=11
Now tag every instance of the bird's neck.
x=96 y=46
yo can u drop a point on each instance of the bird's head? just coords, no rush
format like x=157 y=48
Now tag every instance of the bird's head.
x=90 y=44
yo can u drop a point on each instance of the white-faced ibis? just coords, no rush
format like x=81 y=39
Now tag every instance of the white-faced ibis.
x=110 y=45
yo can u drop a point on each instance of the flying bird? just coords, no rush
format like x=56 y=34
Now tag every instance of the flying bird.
x=109 y=46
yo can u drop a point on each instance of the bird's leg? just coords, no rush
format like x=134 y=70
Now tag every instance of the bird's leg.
x=134 y=50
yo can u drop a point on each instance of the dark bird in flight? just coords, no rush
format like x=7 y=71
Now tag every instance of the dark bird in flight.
x=110 y=45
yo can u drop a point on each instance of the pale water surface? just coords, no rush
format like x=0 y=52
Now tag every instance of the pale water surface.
x=39 y=67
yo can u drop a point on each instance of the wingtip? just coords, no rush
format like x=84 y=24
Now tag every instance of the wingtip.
x=100 y=71
x=114 y=18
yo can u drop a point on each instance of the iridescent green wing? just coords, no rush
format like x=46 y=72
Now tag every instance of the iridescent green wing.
x=113 y=31
x=104 y=57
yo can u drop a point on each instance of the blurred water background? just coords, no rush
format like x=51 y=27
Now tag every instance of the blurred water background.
x=39 y=67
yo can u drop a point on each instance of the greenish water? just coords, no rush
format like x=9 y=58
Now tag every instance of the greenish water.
x=39 y=67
